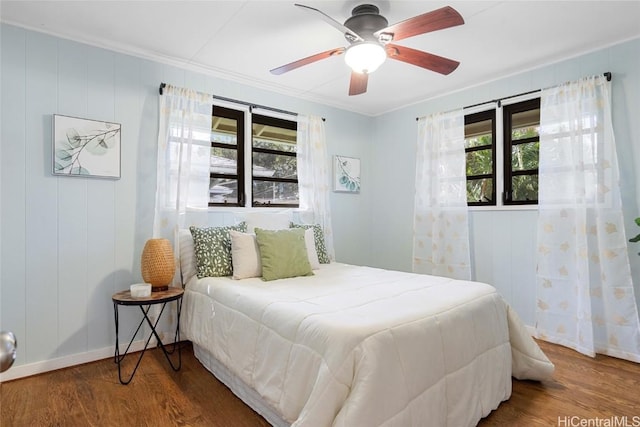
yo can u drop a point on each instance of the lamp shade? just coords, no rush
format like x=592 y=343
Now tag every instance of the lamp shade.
x=158 y=264
x=365 y=57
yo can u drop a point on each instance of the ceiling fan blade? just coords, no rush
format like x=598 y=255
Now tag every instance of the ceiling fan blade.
x=358 y=84
x=308 y=60
x=438 y=19
x=329 y=20
x=422 y=59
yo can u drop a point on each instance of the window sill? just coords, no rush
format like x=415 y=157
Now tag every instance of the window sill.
x=250 y=209
x=504 y=208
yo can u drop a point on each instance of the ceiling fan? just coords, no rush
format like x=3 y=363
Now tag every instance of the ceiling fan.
x=370 y=37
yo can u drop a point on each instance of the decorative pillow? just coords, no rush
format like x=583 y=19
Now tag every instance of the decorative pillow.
x=187 y=255
x=245 y=255
x=213 y=250
x=283 y=253
x=321 y=248
x=265 y=220
x=312 y=254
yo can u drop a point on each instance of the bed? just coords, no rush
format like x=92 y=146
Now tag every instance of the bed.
x=360 y=346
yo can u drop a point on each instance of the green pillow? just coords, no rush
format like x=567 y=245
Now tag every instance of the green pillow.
x=318 y=235
x=212 y=246
x=283 y=253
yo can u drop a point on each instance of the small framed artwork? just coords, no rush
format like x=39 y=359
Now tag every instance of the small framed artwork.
x=346 y=174
x=86 y=148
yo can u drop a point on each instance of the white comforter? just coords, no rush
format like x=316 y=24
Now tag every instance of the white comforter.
x=358 y=346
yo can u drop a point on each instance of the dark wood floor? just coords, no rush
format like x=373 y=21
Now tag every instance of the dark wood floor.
x=582 y=387
x=90 y=395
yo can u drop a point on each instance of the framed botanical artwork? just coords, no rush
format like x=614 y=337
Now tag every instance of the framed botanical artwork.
x=346 y=174
x=86 y=148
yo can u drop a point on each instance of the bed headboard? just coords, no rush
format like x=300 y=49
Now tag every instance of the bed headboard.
x=187 y=256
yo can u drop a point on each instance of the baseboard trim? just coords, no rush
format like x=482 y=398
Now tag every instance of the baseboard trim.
x=23 y=371
x=30 y=369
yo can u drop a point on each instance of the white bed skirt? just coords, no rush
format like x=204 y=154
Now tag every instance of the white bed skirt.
x=238 y=387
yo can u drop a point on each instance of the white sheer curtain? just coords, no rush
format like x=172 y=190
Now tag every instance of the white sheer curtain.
x=440 y=228
x=585 y=296
x=184 y=152
x=314 y=176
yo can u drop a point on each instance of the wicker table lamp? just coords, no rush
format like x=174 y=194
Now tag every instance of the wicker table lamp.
x=158 y=264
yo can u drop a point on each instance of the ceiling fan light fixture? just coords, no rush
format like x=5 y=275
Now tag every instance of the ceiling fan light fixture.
x=365 y=57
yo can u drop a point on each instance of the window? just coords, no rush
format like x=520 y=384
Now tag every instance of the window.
x=479 y=143
x=505 y=162
x=226 y=184
x=267 y=175
x=521 y=147
x=274 y=171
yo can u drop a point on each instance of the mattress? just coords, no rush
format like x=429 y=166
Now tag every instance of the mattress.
x=363 y=346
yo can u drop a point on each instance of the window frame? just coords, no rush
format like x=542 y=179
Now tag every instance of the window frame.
x=284 y=124
x=507 y=125
x=475 y=118
x=245 y=119
x=239 y=116
x=502 y=159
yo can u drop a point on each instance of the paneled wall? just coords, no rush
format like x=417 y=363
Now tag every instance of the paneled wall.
x=68 y=243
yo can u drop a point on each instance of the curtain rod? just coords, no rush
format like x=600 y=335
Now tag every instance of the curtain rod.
x=249 y=104
x=607 y=74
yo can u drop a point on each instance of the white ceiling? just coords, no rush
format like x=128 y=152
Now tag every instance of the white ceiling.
x=243 y=40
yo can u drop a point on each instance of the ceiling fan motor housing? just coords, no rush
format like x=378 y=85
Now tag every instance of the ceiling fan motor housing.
x=364 y=21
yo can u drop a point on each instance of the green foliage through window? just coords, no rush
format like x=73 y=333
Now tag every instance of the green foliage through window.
x=520 y=150
x=480 y=158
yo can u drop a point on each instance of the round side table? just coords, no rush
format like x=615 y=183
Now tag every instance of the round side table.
x=124 y=298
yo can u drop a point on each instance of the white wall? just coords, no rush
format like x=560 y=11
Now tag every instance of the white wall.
x=503 y=242
x=67 y=244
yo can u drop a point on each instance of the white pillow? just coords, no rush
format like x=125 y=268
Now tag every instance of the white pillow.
x=245 y=255
x=312 y=254
x=265 y=220
x=187 y=255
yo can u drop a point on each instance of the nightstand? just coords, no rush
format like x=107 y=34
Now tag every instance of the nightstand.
x=124 y=298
